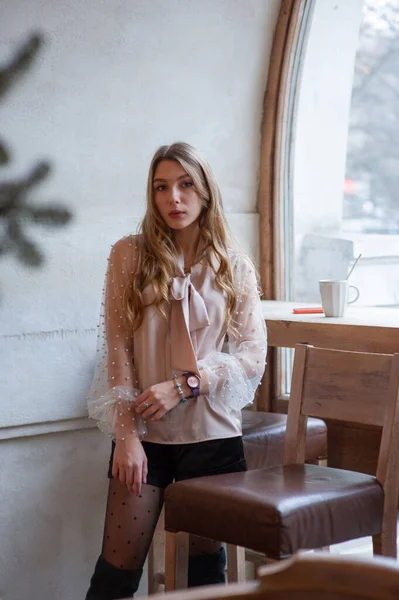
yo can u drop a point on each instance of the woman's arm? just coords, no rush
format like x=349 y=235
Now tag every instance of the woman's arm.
x=232 y=379
x=112 y=396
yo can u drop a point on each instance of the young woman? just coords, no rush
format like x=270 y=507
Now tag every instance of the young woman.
x=182 y=348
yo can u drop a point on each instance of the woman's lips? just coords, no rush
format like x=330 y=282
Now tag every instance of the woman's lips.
x=175 y=214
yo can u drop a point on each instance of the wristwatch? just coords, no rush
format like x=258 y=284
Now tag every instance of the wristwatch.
x=193 y=383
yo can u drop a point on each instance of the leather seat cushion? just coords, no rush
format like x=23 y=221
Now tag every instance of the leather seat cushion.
x=263 y=436
x=278 y=510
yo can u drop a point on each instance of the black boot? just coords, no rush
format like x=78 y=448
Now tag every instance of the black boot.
x=110 y=583
x=207 y=569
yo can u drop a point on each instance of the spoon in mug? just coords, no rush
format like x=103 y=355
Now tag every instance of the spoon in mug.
x=353 y=266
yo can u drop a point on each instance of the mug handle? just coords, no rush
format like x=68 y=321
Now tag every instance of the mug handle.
x=357 y=294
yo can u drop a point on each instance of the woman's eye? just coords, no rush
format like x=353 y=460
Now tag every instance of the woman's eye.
x=160 y=188
x=188 y=184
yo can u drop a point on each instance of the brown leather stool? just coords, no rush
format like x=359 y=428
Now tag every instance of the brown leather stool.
x=296 y=506
x=263 y=435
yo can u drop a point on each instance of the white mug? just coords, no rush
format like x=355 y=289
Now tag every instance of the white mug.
x=335 y=296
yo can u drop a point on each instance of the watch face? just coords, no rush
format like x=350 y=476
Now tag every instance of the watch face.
x=192 y=381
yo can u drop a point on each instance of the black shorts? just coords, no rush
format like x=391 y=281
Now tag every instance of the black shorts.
x=175 y=462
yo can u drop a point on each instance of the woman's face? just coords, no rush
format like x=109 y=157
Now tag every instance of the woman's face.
x=175 y=195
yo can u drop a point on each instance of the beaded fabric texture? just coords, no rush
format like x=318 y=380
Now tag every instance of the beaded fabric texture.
x=192 y=338
x=235 y=375
x=115 y=387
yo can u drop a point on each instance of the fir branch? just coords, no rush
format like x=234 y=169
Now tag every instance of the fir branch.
x=20 y=63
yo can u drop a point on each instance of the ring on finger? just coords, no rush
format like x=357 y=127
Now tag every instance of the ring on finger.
x=146 y=404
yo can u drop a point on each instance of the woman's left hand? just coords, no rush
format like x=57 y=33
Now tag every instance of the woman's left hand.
x=157 y=400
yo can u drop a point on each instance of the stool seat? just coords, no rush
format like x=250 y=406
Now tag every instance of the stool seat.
x=263 y=435
x=279 y=510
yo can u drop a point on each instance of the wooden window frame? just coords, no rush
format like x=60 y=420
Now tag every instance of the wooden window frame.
x=273 y=181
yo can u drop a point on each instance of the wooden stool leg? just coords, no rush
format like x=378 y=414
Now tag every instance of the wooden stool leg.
x=377 y=545
x=176 y=561
x=384 y=544
x=235 y=563
x=156 y=557
x=253 y=560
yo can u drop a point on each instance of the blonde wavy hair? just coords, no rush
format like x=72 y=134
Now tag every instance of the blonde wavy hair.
x=157 y=252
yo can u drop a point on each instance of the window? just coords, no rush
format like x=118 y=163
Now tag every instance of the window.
x=345 y=197
x=343 y=172
x=370 y=212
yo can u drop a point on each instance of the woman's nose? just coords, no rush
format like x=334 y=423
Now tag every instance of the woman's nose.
x=174 y=196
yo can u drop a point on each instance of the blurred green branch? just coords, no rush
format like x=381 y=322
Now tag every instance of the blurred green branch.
x=15 y=209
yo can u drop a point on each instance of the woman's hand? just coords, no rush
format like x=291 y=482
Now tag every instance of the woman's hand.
x=130 y=463
x=157 y=400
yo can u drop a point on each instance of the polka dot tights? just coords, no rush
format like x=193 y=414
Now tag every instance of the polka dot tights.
x=130 y=523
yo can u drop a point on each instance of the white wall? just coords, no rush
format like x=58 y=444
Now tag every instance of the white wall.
x=115 y=80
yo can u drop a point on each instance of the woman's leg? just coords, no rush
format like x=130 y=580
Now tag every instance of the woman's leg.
x=207 y=562
x=129 y=526
x=200 y=546
x=130 y=523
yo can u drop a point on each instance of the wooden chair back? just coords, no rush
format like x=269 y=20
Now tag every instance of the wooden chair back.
x=327 y=576
x=318 y=576
x=345 y=386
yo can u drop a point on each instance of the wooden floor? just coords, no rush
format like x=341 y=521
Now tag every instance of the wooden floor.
x=360 y=547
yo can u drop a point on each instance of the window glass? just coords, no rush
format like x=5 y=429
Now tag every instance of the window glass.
x=357 y=203
x=370 y=211
x=344 y=164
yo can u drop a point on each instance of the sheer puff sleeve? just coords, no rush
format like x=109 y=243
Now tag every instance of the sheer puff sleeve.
x=233 y=377
x=112 y=395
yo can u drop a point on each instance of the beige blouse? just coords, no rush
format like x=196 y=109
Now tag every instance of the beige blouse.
x=192 y=338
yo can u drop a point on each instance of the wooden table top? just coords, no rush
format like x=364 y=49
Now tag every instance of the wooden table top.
x=366 y=329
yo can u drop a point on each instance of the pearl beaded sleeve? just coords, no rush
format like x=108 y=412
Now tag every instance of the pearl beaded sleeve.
x=114 y=388
x=233 y=377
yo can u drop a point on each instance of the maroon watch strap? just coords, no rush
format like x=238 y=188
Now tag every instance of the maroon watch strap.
x=193 y=383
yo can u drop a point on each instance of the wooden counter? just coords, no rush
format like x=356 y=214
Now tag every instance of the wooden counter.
x=362 y=329
x=350 y=446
